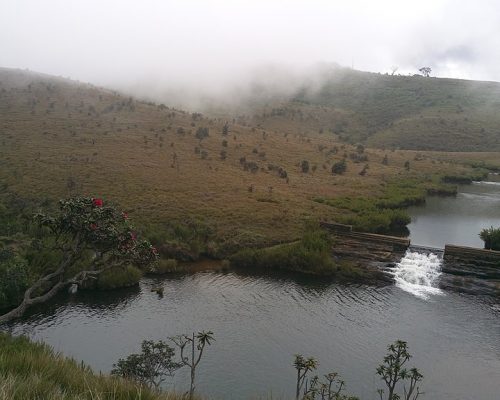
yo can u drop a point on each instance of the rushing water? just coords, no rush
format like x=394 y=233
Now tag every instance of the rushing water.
x=260 y=322
x=456 y=220
x=418 y=273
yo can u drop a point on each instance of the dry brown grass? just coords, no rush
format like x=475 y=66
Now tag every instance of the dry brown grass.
x=136 y=158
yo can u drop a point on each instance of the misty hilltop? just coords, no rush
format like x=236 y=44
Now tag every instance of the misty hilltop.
x=384 y=111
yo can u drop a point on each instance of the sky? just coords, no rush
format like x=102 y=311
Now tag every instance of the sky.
x=212 y=44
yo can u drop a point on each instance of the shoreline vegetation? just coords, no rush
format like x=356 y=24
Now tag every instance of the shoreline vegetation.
x=194 y=246
x=31 y=370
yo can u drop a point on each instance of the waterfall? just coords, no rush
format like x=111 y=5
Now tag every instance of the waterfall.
x=418 y=273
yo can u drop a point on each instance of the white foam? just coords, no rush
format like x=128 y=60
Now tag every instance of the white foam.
x=418 y=273
x=486 y=183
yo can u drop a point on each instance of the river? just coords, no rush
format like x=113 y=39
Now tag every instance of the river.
x=261 y=321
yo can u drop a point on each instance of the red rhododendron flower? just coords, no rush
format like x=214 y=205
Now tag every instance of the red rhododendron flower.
x=97 y=202
x=124 y=215
x=133 y=236
x=154 y=250
x=93 y=227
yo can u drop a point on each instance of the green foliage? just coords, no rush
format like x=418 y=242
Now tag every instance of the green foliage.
x=202 y=133
x=311 y=254
x=339 y=167
x=151 y=366
x=370 y=214
x=165 y=266
x=119 y=277
x=33 y=371
x=478 y=174
x=14 y=278
x=303 y=366
x=191 y=348
x=393 y=370
x=491 y=238
x=81 y=241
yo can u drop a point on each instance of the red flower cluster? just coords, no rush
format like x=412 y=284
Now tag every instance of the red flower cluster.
x=124 y=215
x=97 y=202
x=93 y=226
x=133 y=236
x=154 y=250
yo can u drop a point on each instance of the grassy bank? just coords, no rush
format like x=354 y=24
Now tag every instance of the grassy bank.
x=311 y=255
x=34 y=371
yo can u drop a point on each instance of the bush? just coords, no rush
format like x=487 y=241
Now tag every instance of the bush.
x=311 y=254
x=14 y=278
x=339 y=167
x=119 y=277
x=491 y=238
x=304 y=166
x=164 y=266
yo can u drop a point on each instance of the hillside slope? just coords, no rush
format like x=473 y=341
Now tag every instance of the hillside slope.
x=390 y=111
x=248 y=185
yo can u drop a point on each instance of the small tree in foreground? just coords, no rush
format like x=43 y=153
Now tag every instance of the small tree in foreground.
x=86 y=238
x=393 y=370
x=150 y=367
x=303 y=367
x=331 y=389
x=196 y=343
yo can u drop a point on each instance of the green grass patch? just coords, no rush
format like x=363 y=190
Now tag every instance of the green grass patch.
x=30 y=371
x=311 y=254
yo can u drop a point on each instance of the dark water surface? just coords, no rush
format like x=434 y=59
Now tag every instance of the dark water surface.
x=260 y=322
x=448 y=220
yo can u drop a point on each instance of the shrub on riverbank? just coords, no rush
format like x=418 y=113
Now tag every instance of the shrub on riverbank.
x=491 y=238
x=367 y=215
x=119 y=277
x=164 y=266
x=33 y=371
x=311 y=254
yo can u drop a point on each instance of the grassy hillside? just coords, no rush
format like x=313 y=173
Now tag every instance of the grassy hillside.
x=249 y=186
x=392 y=111
x=33 y=371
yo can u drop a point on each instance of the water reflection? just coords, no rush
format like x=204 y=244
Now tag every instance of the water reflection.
x=456 y=220
x=260 y=322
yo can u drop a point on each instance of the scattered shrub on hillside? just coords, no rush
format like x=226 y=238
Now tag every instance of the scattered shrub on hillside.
x=201 y=133
x=407 y=165
x=223 y=155
x=339 y=167
x=304 y=166
x=364 y=170
x=251 y=166
x=385 y=160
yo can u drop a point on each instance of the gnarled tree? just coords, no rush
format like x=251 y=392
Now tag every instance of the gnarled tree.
x=88 y=239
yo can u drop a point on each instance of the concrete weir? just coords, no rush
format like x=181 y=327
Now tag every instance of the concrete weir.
x=466 y=269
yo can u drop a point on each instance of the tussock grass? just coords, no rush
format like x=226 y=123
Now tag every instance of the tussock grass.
x=33 y=371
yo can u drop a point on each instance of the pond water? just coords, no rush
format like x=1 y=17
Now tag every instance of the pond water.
x=261 y=321
x=457 y=220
